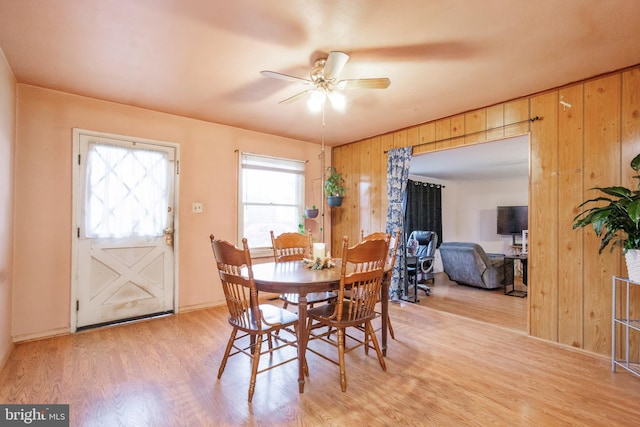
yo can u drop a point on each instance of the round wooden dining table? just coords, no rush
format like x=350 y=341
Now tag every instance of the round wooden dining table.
x=295 y=277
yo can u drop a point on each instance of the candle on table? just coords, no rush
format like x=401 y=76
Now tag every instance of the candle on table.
x=318 y=250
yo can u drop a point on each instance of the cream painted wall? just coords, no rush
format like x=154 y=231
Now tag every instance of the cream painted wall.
x=7 y=146
x=42 y=268
x=477 y=221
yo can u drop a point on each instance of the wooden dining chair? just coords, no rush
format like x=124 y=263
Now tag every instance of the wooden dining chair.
x=256 y=321
x=291 y=246
x=374 y=235
x=361 y=271
x=394 y=239
x=294 y=247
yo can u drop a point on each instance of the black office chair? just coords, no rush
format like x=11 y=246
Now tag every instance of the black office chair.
x=420 y=260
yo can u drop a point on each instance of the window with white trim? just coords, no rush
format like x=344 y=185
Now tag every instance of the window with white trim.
x=270 y=197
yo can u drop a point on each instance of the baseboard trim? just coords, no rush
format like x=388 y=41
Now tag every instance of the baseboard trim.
x=40 y=335
x=5 y=357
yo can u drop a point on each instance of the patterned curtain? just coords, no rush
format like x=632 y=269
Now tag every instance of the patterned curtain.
x=397 y=175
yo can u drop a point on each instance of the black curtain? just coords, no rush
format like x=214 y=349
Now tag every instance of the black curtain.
x=423 y=208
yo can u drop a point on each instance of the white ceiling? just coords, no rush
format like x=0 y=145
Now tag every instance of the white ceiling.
x=202 y=58
x=503 y=159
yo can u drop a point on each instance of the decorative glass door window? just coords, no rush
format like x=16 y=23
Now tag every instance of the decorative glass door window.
x=127 y=192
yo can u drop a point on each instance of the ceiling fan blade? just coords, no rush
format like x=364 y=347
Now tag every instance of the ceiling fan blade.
x=286 y=77
x=375 y=83
x=295 y=97
x=334 y=65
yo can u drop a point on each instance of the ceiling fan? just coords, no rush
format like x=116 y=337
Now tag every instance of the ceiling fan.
x=324 y=83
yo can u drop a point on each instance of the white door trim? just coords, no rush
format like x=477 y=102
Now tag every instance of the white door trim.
x=76 y=197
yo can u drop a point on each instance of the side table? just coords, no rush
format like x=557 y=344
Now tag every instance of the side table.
x=512 y=291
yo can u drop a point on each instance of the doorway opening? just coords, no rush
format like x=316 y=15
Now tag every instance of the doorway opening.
x=477 y=178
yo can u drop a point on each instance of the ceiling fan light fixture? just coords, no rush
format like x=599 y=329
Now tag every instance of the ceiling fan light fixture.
x=316 y=100
x=324 y=79
x=338 y=100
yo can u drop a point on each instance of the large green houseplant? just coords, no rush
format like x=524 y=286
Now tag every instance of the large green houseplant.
x=334 y=187
x=615 y=218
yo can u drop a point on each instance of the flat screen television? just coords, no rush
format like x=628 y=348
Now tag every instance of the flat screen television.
x=512 y=220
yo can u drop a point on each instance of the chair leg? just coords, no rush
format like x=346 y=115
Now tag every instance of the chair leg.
x=390 y=328
x=343 y=373
x=254 y=368
x=223 y=364
x=285 y=304
x=329 y=331
x=309 y=325
x=366 y=342
x=412 y=279
x=426 y=289
x=374 y=340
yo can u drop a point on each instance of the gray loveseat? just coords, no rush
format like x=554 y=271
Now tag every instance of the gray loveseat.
x=469 y=264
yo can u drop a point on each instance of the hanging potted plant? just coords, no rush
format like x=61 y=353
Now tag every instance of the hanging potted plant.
x=617 y=220
x=334 y=187
x=311 y=213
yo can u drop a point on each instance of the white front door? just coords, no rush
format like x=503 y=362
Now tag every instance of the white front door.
x=125 y=219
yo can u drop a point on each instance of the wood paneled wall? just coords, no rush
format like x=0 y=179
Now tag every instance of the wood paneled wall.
x=572 y=150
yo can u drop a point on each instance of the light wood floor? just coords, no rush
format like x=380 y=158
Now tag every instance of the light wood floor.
x=485 y=305
x=442 y=370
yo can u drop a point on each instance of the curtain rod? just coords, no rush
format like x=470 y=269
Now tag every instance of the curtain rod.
x=425 y=183
x=532 y=119
x=268 y=156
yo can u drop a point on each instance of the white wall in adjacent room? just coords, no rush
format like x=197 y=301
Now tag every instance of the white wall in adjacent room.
x=475 y=216
x=469 y=210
